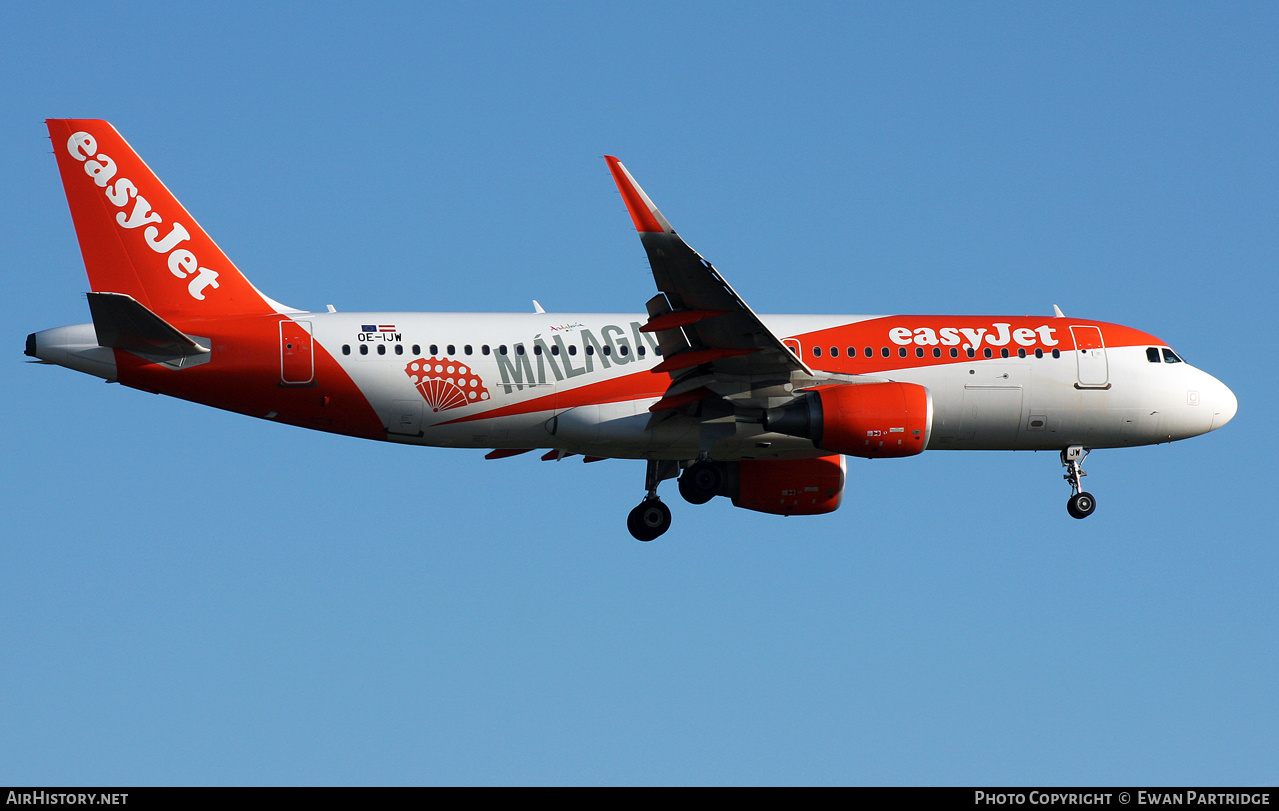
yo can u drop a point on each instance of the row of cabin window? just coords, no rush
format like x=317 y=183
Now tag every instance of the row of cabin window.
x=451 y=349
x=919 y=352
x=381 y=349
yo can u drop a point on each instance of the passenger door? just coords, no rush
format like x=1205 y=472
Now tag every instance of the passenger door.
x=1090 y=354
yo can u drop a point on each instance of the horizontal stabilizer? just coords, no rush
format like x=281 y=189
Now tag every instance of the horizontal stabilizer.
x=122 y=322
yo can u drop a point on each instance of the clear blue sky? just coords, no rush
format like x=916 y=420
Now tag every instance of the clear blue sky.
x=193 y=597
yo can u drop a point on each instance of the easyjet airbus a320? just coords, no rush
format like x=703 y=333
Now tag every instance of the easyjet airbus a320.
x=761 y=409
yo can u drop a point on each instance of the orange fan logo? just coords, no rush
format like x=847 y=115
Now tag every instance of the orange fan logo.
x=445 y=383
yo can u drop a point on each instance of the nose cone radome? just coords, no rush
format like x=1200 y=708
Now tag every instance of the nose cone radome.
x=1223 y=403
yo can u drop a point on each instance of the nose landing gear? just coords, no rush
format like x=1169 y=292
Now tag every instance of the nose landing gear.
x=1081 y=504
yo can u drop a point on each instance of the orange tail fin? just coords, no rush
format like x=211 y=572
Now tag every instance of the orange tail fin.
x=137 y=238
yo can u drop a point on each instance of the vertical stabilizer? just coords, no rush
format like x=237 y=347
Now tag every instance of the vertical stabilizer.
x=136 y=237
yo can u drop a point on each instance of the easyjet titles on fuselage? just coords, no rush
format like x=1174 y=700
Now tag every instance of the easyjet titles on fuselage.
x=1000 y=335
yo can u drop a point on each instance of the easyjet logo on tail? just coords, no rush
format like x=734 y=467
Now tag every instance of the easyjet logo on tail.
x=182 y=263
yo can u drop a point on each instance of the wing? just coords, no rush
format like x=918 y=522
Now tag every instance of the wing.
x=712 y=341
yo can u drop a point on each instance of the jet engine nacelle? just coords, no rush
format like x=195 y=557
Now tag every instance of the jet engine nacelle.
x=871 y=420
x=787 y=486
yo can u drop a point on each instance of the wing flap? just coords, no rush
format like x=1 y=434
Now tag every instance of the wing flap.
x=682 y=318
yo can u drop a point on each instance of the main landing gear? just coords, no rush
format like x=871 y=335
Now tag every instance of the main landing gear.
x=652 y=518
x=701 y=482
x=1081 y=504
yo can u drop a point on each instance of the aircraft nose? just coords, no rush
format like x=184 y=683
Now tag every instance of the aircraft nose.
x=1224 y=405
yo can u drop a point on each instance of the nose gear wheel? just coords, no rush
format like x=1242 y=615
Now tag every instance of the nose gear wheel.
x=1080 y=504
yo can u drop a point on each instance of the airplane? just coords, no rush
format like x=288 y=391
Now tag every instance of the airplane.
x=760 y=409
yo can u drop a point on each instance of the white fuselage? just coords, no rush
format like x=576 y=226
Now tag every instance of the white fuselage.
x=580 y=383
x=1029 y=403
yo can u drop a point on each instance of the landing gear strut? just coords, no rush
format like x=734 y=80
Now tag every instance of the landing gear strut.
x=1081 y=504
x=652 y=518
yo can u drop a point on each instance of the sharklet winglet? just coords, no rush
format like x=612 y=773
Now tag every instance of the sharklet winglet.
x=643 y=213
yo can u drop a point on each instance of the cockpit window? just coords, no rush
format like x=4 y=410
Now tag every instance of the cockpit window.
x=1170 y=356
x=1152 y=354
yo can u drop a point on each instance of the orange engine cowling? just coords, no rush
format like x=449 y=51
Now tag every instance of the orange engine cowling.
x=871 y=420
x=788 y=486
